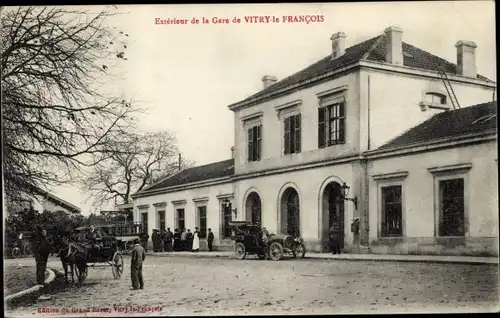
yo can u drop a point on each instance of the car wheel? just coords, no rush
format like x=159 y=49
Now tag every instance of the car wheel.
x=276 y=251
x=240 y=251
x=300 y=251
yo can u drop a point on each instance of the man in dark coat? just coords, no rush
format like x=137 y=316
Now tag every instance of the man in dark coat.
x=42 y=251
x=183 y=245
x=138 y=257
x=210 y=239
x=155 y=239
x=335 y=234
x=177 y=240
x=189 y=240
x=168 y=240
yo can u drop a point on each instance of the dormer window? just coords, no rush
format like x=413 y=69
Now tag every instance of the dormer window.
x=435 y=98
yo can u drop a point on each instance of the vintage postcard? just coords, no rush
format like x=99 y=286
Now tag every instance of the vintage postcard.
x=250 y=159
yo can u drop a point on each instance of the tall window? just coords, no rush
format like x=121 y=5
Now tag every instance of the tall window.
x=202 y=214
x=331 y=125
x=180 y=219
x=392 y=211
x=254 y=143
x=451 y=201
x=161 y=218
x=144 y=222
x=292 y=134
x=226 y=229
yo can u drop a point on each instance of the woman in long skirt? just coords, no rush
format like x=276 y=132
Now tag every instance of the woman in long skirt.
x=196 y=240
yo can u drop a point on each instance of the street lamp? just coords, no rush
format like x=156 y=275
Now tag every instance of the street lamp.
x=345 y=191
x=226 y=202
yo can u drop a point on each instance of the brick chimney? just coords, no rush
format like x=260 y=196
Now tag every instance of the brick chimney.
x=466 y=58
x=232 y=152
x=394 y=44
x=338 y=44
x=269 y=80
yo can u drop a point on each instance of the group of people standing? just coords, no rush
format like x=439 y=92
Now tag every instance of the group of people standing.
x=179 y=240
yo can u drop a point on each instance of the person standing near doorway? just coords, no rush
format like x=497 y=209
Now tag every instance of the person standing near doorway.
x=196 y=240
x=168 y=240
x=183 y=240
x=138 y=257
x=210 y=239
x=334 y=234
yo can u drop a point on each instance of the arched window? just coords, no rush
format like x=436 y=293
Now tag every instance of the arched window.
x=435 y=98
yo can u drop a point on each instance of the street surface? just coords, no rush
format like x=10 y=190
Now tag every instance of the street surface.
x=219 y=286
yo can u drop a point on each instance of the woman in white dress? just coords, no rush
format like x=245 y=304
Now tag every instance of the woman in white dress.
x=196 y=240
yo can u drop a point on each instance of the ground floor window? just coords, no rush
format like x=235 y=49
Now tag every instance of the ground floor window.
x=180 y=219
x=451 y=204
x=392 y=211
x=227 y=217
x=161 y=218
x=144 y=220
x=202 y=213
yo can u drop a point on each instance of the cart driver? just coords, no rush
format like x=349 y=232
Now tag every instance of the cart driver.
x=92 y=236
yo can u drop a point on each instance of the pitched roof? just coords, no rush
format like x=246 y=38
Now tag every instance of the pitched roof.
x=195 y=174
x=481 y=118
x=72 y=208
x=373 y=49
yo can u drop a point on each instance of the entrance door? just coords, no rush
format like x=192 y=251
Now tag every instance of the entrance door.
x=333 y=212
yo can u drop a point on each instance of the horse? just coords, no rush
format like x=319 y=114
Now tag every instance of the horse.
x=75 y=256
x=67 y=260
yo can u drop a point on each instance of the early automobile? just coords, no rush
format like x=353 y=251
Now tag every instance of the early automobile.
x=248 y=238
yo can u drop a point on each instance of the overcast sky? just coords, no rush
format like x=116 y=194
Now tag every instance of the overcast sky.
x=187 y=75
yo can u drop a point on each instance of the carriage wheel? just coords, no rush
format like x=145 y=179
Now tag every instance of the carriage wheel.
x=275 y=251
x=128 y=247
x=16 y=252
x=117 y=265
x=239 y=251
x=27 y=249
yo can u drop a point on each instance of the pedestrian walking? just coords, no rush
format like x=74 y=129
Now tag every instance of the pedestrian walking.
x=334 y=234
x=138 y=257
x=42 y=251
x=196 y=240
x=210 y=239
x=183 y=240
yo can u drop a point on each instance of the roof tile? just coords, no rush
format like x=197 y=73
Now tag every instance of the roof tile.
x=195 y=174
x=373 y=49
x=468 y=120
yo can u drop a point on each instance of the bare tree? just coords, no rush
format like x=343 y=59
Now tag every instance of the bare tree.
x=136 y=161
x=56 y=116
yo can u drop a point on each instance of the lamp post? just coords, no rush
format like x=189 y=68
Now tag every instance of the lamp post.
x=345 y=191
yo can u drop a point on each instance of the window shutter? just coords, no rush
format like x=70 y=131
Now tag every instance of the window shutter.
x=250 y=144
x=342 y=122
x=287 y=135
x=297 y=133
x=321 y=127
x=259 y=142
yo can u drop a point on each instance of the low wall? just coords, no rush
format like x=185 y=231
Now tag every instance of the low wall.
x=459 y=246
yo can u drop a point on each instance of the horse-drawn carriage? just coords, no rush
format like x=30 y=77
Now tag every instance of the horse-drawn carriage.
x=84 y=254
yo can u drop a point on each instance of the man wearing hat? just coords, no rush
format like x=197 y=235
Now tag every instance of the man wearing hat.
x=138 y=257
